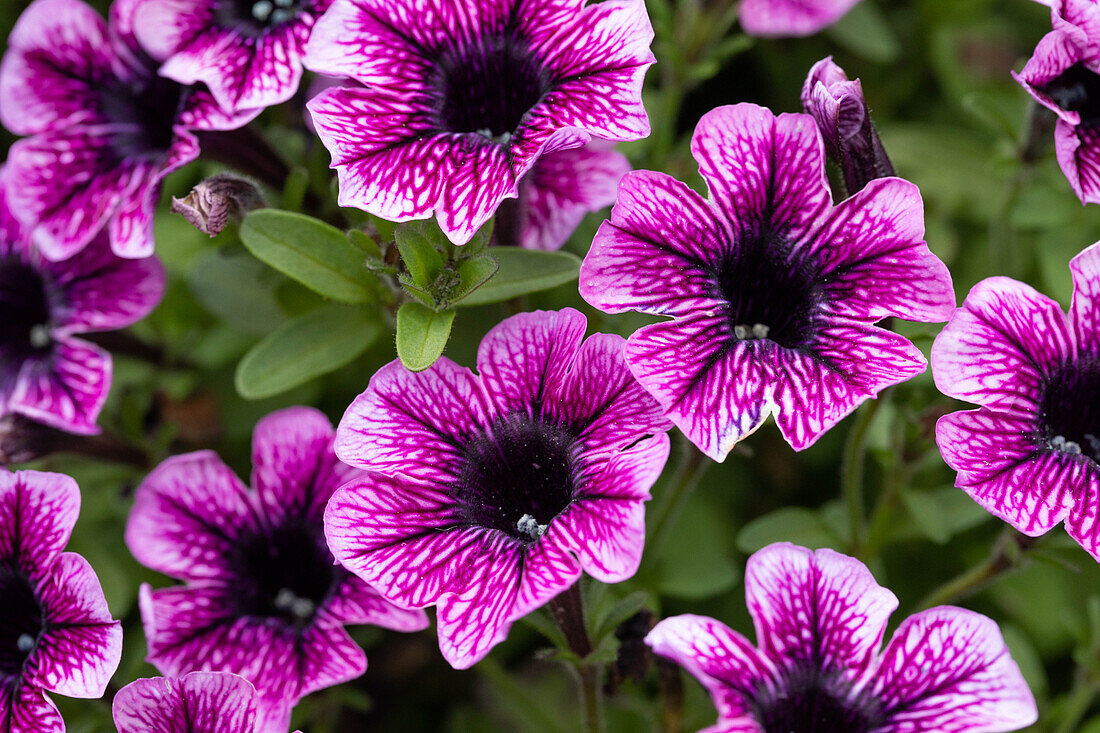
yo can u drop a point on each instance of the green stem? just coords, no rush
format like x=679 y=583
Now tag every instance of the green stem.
x=672 y=502
x=1084 y=693
x=1004 y=557
x=568 y=611
x=851 y=472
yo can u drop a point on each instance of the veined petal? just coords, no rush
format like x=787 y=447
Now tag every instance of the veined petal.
x=199 y=702
x=1083 y=522
x=715 y=390
x=81 y=645
x=1084 y=311
x=874 y=260
x=355 y=602
x=818 y=610
x=104 y=292
x=659 y=252
x=1056 y=52
x=721 y=659
x=1078 y=151
x=37 y=513
x=765 y=173
x=787 y=18
x=67 y=388
x=1003 y=466
x=58 y=54
x=188 y=516
x=26 y=709
x=200 y=111
x=948 y=670
x=291 y=455
x=1000 y=345
x=414 y=423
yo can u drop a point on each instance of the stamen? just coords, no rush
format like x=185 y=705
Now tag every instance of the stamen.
x=1059 y=442
x=40 y=336
x=261 y=10
x=745 y=332
x=281 y=16
x=760 y=331
x=25 y=643
x=528 y=525
x=288 y=602
x=741 y=331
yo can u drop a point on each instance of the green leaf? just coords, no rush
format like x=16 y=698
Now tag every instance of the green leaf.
x=792 y=524
x=422 y=335
x=363 y=241
x=694 y=562
x=306 y=347
x=523 y=271
x=421 y=257
x=472 y=274
x=943 y=512
x=608 y=620
x=864 y=31
x=315 y=254
x=237 y=289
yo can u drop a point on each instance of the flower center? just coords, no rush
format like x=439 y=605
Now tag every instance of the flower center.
x=286 y=574
x=488 y=87
x=141 y=116
x=517 y=477
x=252 y=17
x=814 y=702
x=20 y=623
x=769 y=291
x=1077 y=90
x=1071 y=409
x=25 y=326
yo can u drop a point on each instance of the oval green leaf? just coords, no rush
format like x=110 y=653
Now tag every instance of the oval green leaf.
x=315 y=254
x=306 y=347
x=523 y=271
x=422 y=335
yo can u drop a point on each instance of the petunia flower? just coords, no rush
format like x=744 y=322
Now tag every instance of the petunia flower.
x=46 y=372
x=262 y=596
x=198 y=702
x=773 y=290
x=488 y=494
x=1030 y=453
x=840 y=111
x=56 y=632
x=248 y=53
x=105 y=129
x=461 y=97
x=820 y=618
x=1062 y=75
x=785 y=18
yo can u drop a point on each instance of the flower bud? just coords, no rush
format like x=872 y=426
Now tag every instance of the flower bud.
x=215 y=202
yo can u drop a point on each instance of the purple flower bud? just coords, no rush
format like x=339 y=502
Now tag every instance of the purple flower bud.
x=216 y=201
x=840 y=111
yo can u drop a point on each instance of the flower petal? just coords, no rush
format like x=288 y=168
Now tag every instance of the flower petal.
x=1078 y=152
x=874 y=260
x=790 y=18
x=766 y=173
x=81 y=644
x=1004 y=468
x=355 y=602
x=1056 y=52
x=104 y=292
x=26 y=709
x=66 y=389
x=1084 y=311
x=816 y=610
x=948 y=670
x=415 y=423
x=200 y=702
x=658 y=253
x=999 y=346
x=721 y=659
x=291 y=458
x=37 y=513
x=188 y=515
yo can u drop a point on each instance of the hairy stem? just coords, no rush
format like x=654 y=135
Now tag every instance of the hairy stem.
x=1005 y=556
x=567 y=608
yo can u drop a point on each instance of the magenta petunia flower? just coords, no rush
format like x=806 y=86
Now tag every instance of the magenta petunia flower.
x=105 y=129
x=785 y=18
x=562 y=187
x=198 y=702
x=249 y=54
x=46 y=373
x=773 y=291
x=463 y=96
x=488 y=494
x=56 y=632
x=263 y=597
x=1030 y=453
x=820 y=618
x=1063 y=76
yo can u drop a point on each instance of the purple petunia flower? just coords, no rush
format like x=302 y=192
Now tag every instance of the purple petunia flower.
x=249 y=54
x=774 y=291
x=105 y=129
x=1030 y=453
x=489 y=494
x=820 y=619
x=562 y=187
x=463 y=96
x=1063 y=76
x=263 y=597
x=840 y=111
x=783 y=18
x=45 y=372
x=198 y=702
x=56 y=632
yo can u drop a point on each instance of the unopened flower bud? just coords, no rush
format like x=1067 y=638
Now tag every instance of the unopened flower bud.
x=840 y=111
x=215 y=202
